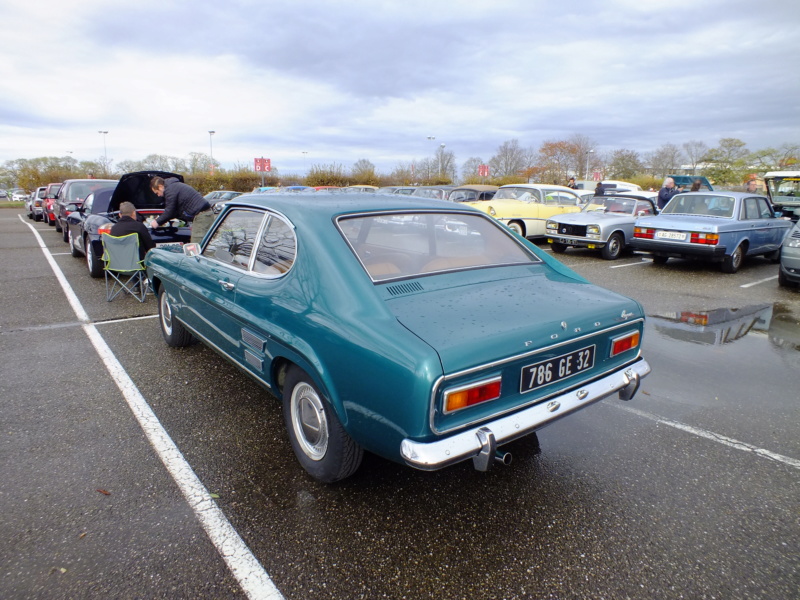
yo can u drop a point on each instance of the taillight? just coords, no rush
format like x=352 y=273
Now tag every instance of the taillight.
x=644 y=232
x=462 y=397
x=105 y=228
x=711 y=239
x=624 y=343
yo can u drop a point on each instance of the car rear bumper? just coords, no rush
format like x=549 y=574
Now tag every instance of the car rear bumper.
x=679 y=250
x=482 y=440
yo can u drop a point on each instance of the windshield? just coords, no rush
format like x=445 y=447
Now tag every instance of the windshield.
x=786 y=187
x=702 y=205
x=517 y=193
x=409 y=244
x=625 y=206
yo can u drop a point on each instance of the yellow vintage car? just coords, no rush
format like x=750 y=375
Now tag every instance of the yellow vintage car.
x=525 y=207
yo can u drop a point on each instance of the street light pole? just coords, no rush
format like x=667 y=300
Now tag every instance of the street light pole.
x=304 y=152
x=105 y=152
x=587 y=163
x=211 y=149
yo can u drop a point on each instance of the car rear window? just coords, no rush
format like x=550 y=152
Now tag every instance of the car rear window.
x=702 y=205
x=409 y=244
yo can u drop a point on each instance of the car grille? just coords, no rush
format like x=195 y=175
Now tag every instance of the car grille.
x=576 y=230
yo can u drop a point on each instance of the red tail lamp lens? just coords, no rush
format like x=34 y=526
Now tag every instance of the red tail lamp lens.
x=474 y=394
x=624 y=343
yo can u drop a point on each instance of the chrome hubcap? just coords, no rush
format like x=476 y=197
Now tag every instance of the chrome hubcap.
x=309 y=422
x=166 y=314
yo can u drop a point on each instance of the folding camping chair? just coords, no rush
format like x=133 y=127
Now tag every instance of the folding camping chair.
x=124 y=271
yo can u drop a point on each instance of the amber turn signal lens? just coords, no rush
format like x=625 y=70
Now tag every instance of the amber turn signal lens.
x=463 y=397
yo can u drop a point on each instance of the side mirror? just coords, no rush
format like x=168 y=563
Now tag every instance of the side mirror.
x=192 y=249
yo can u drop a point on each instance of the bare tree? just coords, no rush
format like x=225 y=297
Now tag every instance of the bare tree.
x=695 y=152
x=664 y=160
x=509 y=160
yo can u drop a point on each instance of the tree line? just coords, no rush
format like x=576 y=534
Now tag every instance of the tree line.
x=729 y=163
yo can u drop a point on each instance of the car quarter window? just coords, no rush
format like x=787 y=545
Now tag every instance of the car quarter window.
x=396 y=245
x=764 y=209
x=277 y=248
x=234 y=238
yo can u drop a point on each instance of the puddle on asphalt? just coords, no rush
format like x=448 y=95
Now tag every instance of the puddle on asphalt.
x=778 y=323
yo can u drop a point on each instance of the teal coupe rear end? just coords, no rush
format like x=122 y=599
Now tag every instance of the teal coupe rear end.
x=422 y=331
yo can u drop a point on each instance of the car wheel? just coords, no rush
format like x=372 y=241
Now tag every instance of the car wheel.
x=65 y=233
x=322 y=446
x=57 y=224
x=732 y=262
x=175 y=334
x=558 y=248
x=37 y=217
x=517 y=227
x=72 y=249
x=93 y=263
x=613 y=247
x=774 y=257
x=660 y=260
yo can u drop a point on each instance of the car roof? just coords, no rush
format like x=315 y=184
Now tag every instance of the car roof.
x=538 y=186
x=297 y=206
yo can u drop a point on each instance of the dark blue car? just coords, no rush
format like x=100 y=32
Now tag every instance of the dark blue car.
x=100 y=211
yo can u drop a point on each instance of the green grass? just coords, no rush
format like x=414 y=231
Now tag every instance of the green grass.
x=10 y=204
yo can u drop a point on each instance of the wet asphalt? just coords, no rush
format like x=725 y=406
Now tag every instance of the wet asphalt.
x=691 y=490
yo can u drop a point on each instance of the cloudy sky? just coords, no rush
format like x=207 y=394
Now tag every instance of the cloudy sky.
x=341 y=80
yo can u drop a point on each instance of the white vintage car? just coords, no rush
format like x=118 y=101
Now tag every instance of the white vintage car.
x=605 y=223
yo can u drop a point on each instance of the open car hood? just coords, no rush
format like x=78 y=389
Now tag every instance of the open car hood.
x=135 y=188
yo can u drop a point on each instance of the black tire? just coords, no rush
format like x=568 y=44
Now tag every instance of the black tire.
x=93 y=263
x=731 y=262
x=660 y=260
x=65 y=233
x=774 y=257
x=320 y=443
x=517 y=227
x=37 y=217
x=783 y=281
x=558 y=248
x=613 y=248
x=72 y=249
x=57 y=224
x=175 y=334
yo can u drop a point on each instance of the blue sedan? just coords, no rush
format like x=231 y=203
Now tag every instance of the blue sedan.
x=420 y=330
x=722 y=227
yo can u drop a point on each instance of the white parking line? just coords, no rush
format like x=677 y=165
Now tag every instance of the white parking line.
x=645 y=261
x=760 y=281
x=253 y=579
x=58 y=253
x=715 y=437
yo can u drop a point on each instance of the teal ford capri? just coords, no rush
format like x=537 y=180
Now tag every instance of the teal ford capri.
x=422 y=331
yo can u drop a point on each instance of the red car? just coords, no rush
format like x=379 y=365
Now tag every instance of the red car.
x=49 y=203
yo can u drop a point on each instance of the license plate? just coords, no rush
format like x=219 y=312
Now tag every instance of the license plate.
x=171 y=246
x=555 y=369
x=671 y=235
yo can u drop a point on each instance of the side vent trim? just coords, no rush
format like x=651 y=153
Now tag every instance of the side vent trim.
x=405 y=288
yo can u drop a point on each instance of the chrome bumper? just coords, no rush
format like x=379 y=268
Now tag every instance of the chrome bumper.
x=483 y=440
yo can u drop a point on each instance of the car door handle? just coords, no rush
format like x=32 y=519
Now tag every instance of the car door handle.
x=226 y=285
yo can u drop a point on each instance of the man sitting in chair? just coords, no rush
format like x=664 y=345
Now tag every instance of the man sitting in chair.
x=128 y=224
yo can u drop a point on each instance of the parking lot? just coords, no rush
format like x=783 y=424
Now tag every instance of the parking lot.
x=690 y=490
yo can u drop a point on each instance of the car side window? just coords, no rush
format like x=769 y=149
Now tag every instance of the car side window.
x=763 y=208
x=277 y=249
x=234 y=238
x=87 y=205
x=751 y=208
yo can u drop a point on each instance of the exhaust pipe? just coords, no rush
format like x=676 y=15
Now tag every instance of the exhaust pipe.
x=503 y=457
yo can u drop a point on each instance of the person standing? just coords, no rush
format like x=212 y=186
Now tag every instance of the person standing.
x=751 y=187
x=184 y=202
x=600 y=189
x=571 y=183
x=666 y=193
x=128 y=224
